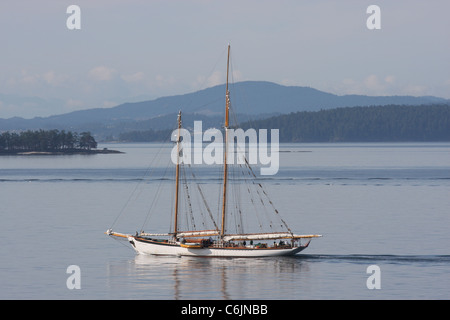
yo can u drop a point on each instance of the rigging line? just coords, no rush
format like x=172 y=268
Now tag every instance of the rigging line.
x=242 y=95
x=207 y=104
x=204 y=199
x=246 y=173
x=123 y=242
x=199 y=208
x=252 y=196
x=250 y=189
x=264 y=208
x=127 y=203
x=200 y=203
x=235 y=94
x=136 y=187
x=256 y=205
x=271 y=203
x=232 y=196
x=156 y=197
x=237 y=191
x=158 y=191
x=274 y=208
x=238 y=201
x=233 y=114
x=203 y=84
x=188 y=197
x=267 y=197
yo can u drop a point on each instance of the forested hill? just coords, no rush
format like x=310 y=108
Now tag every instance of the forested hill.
x=362 y=124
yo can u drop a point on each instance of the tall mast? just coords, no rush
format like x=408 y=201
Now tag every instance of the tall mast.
x=177 y=174
x=225 y=168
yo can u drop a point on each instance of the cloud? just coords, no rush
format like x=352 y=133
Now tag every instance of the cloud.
x=135 y=77
x=370 y=85
x=389 y=79
x=108 y=104
x=73 y=104
x=102 y=73
x=374 y=85
x=25 y=78
x=12 y=105
x=415 y=90
x=162 y=81
x=216 y=78
x=53 y=79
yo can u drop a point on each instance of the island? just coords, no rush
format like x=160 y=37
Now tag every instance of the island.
x=49 y=142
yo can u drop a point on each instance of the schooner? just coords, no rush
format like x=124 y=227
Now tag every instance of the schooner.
x=216 y=242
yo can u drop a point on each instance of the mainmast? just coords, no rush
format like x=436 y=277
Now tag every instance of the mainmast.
x=225 y=168
x=177 y=174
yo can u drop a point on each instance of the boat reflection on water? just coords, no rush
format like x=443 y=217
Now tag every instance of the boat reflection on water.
x=174 y=278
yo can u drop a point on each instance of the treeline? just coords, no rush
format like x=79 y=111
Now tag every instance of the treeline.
x=45 y=141
x=391 y=123
x=146 y=135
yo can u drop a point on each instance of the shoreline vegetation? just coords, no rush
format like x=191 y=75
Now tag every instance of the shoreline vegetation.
x=391 y=123
x=65 y=152
x=51 y=142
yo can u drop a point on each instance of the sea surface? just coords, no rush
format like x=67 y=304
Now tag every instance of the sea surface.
x=382 y=207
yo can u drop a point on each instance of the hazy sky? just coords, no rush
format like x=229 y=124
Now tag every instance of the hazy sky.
x=132 y=50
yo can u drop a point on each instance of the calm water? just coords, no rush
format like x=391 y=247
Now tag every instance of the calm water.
x=376 y=204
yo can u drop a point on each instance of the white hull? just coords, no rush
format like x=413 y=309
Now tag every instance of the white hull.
x=147 y=247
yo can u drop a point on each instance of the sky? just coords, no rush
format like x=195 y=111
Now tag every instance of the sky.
x=135 y=50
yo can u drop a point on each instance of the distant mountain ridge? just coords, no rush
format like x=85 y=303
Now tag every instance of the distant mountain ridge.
x=251 y=98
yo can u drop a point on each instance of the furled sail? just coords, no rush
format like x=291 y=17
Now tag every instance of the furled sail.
x=202 y=233
x=267 y=236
